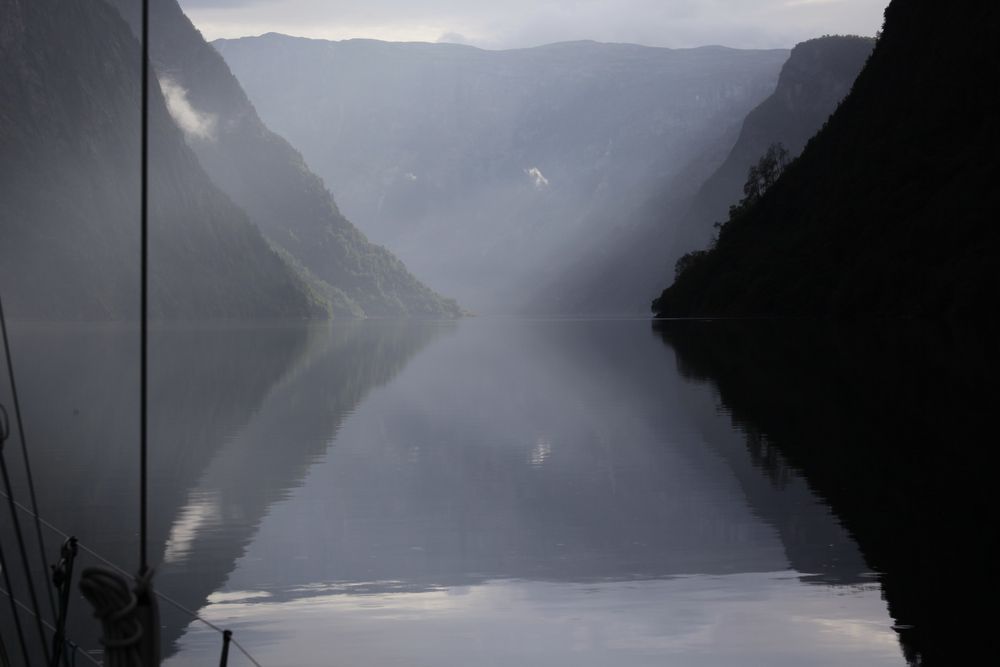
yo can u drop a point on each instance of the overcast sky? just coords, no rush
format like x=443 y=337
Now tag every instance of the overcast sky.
x=518 y=23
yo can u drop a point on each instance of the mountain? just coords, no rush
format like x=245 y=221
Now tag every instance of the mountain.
x=486 y=171
x=630 y=265
x=268 y=178
x=888 y=211
x=819 y=74
x=69 y=187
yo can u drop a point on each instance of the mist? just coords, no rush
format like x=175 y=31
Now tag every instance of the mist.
x=489 y=172
x=195 y=124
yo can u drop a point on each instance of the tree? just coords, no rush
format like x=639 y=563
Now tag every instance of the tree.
x=765 y=173
x=760 y=178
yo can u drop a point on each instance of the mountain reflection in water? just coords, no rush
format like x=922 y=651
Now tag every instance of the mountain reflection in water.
x=237 y=415
x=891 y=423
x=377 y=493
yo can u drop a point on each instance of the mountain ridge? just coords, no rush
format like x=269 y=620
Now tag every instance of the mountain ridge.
x=481 y=169
x=265 y=175
x=69 y=187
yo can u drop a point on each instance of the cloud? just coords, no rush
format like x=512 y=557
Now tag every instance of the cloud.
x=453 y=38
x=194 y=123
x=541 y=183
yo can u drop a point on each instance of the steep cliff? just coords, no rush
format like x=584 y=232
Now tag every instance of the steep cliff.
x=889 y=211
x=69 y=186
x=630 y=266
x=818 y=75
x=268 y=178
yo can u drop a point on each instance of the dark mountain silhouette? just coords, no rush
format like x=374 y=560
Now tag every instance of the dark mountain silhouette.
x=69 y=186
x=870 y=415
x=268 y=178
x=630 y=265
x=488 y=170
x=889 y=209
x=817 y=77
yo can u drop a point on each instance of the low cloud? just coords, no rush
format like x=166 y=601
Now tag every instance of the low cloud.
x=194 y=123
x=541 y=183
x=453 y=38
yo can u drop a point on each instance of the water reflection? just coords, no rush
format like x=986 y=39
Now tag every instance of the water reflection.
x=238 y=413
x=694 y=621
x=552 y=492
x=889 y=423
x=524 y=486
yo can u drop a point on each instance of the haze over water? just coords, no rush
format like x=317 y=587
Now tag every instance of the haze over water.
x=484 y=492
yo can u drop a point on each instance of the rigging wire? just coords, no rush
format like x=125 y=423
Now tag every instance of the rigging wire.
x=144 y=299
x=144 y=569
x=13 y=607
x=30 y=478
x=24 y=556
x=24 y=450
x=74 y=648
x=9 y=492
x=4 y=658
x=162 y=596
x=145 y=572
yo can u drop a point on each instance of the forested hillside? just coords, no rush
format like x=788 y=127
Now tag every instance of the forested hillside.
x=889 y=210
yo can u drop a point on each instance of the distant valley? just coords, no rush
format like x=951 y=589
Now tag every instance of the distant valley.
x=489 y=172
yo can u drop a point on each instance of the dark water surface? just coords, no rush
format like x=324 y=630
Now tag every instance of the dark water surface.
x=484 y=493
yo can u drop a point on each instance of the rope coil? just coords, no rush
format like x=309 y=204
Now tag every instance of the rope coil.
x=114 y=605
x=130 y=623
x=161 y=596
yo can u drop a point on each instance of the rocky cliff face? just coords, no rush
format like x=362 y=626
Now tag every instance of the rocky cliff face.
x=69 y=186
x=268 y=178
x=889 y=209
x=818 y=75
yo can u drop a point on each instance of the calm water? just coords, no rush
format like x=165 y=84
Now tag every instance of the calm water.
x=483 y=493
